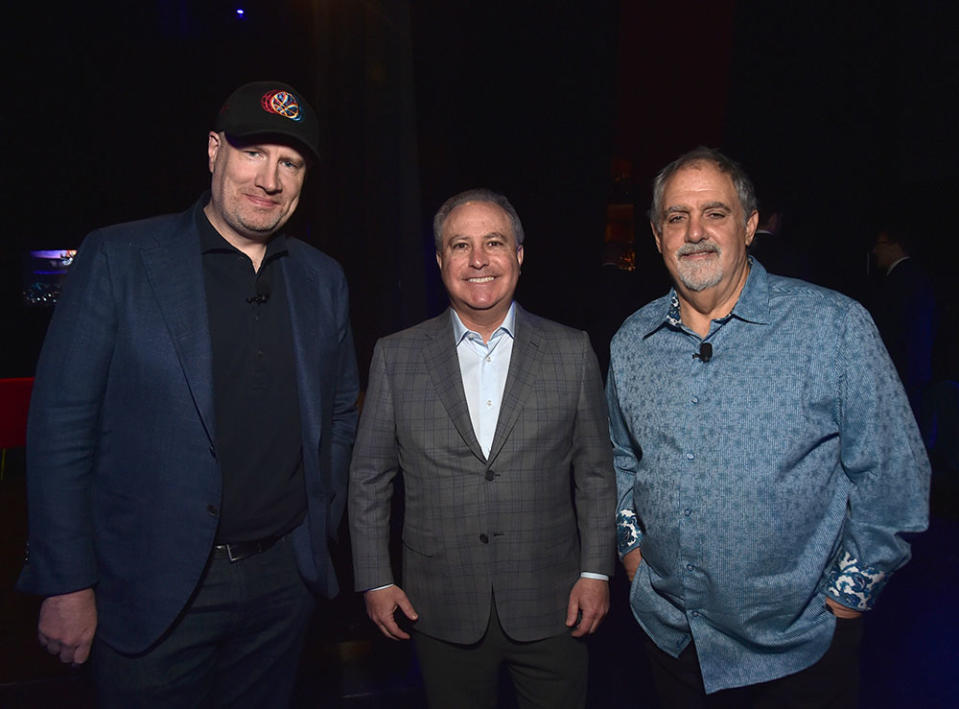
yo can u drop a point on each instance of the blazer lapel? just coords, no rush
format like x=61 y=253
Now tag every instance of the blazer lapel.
x=444 y=369
x=174 y=269
x=307 y=335
x=523 y=365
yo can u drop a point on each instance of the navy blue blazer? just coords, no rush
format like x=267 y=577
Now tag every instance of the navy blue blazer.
x=122 y=476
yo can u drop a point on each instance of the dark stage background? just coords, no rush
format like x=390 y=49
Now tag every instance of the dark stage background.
x=840 y=112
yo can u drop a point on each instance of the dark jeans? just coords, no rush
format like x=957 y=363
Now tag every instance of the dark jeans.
x=548 y=674
x=833 y=681
x=237 y=643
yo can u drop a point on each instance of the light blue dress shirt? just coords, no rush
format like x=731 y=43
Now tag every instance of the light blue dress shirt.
x=483 y=367
x=782 y=470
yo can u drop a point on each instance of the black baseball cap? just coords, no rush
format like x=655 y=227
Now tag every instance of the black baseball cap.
x=264 y=108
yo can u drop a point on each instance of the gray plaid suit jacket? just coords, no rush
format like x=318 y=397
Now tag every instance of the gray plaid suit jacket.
x=521 y=524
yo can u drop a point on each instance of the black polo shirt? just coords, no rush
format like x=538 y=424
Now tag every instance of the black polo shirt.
x=257 y=426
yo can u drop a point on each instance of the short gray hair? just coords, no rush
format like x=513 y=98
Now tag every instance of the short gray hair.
x=742 y=183
x=477 y=194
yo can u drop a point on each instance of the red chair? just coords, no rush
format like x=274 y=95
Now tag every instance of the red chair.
x=14 y=403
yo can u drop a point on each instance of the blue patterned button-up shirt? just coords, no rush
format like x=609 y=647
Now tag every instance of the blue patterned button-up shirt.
x=783 y=469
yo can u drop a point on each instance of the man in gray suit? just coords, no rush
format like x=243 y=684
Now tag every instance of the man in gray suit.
x=494 y=418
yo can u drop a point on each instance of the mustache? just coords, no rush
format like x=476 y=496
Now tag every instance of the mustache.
x=702 y=247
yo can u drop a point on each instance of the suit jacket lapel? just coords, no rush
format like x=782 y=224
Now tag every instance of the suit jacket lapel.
x=174 y=269
x=444 y=369
x=300 y=279
x=523 y=365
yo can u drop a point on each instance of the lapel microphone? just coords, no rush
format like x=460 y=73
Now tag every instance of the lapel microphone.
x=705 y=352
x=262 y=293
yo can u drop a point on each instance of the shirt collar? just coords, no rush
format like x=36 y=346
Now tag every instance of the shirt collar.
x=212 y=240
x=508 y=326
x=752 y=306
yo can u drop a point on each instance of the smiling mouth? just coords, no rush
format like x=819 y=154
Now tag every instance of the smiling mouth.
x=705 y=253
x=264 y=202
x=483 y=279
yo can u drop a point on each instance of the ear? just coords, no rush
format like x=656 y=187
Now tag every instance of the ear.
x=213 y=147
x=751 y=225
x=519 y=254
x=656 y=237
x=439 y=260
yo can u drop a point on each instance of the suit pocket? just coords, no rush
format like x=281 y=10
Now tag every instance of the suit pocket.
x=422 y=545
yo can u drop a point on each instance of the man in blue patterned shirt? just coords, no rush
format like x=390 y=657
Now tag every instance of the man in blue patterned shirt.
x=767 y=461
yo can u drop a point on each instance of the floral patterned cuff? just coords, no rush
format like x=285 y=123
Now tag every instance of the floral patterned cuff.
x=628 y=532
x=853 y=584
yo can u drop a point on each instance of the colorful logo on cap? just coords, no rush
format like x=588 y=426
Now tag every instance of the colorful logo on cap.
x=282 y=103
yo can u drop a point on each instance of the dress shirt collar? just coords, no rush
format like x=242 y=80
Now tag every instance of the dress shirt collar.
x=508 y=326
x=752 y=306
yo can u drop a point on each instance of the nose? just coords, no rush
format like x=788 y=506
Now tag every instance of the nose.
x=268 y=177
x=479 y=257
x=695 y=231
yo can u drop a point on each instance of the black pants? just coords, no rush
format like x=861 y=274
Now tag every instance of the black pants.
x=237 y=644
x=548 y=674
x=833 y=681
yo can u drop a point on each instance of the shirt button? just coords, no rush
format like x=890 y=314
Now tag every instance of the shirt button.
x=687 y=512
x=695 y=614
x=489 y=402
x=488 y=358
x=690 y=567
x=483 y=538
x=689 y=456
x=695 y=400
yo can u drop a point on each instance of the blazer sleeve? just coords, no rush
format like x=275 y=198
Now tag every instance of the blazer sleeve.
x=62 y=428
x=594 y=478
x=374 y=467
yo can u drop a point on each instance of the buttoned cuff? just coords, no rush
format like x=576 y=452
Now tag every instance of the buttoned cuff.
x=854 y=584
x=628 y=533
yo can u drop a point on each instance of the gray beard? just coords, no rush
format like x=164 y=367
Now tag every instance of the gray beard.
x=699 y=277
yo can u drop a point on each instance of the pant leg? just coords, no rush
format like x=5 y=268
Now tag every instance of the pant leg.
x=236 y=644
x=550 y=673
x=460 y=676
x=178 y=669
x=257 y=662
x=679 y=682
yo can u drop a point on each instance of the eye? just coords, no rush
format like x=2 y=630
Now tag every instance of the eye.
x=716 y=215
x=458 y=246
x=674 y=218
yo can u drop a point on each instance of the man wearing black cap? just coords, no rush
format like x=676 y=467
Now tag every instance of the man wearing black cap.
x=190 y=431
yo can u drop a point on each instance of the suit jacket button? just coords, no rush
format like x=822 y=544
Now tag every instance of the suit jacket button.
x=212 y=510
x=490 y=475
x=484 y=539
